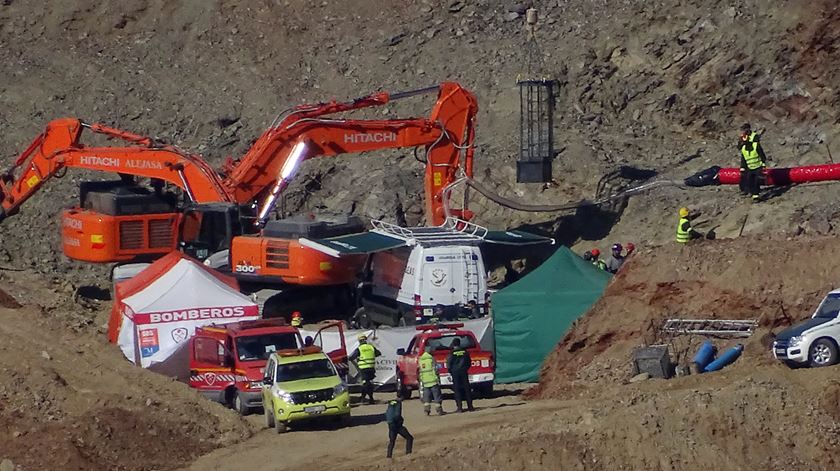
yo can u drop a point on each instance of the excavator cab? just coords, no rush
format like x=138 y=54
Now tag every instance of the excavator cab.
x=209 y=228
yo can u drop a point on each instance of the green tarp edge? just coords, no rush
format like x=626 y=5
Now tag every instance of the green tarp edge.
x=532 y=314
x=353 y=244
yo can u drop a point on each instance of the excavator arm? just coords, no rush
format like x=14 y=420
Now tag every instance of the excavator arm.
x=447 y=134
x=59 y=148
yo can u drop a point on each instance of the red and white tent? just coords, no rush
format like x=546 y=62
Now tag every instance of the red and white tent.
x=157 y=311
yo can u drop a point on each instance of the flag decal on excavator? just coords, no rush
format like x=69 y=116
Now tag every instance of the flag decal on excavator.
x=97 y=241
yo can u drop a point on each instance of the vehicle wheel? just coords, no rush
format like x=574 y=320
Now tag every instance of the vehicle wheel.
x=239 y=405
x=362 y=319
x=269 y=417
x=403 y=391
x=280 y=427
x=823 y=352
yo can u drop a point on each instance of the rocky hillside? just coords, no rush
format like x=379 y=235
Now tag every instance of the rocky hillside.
x=659 y=85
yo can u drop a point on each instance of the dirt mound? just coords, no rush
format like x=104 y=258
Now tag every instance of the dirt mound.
x=774 y=281
x=88 y=408
x=740 y=418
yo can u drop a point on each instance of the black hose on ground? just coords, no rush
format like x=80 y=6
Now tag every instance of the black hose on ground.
x=545 y=208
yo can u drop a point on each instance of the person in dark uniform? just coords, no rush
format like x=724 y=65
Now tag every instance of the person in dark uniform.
x=458 y=364
x=394 y=418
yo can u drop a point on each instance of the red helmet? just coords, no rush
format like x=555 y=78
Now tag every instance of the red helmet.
x=630 y=247
x=595 y=252
x=295 y=314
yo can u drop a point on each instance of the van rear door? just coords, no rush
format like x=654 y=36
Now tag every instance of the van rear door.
x=444 y=274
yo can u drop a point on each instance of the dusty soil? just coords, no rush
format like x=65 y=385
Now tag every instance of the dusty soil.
x=775 y=281
x=70 y=401
x=651 y=85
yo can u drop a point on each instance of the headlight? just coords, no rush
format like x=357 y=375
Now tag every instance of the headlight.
x=255 y=384
x=794 y=341
x=284 y=395
x=339 y=389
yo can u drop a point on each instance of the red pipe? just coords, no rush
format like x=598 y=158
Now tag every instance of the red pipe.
x=786 y=176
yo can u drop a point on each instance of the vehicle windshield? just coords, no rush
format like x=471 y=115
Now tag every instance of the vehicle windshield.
x=305 y=370
x=259 y=347
x=445 y=342
x=829 y=307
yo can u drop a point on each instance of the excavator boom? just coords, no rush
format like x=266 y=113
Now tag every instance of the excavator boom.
x=59 y=148
x=308 y=132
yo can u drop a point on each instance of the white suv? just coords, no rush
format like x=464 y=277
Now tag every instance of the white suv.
x=815 y=341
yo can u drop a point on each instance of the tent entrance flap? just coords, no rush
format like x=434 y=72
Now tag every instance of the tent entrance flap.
x=353 y=244
x=516 y=238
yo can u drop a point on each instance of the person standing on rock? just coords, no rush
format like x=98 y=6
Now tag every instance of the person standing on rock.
x=458 y=363
x=394 y=418
x=596 y=259
x=753 y=161
x=685 y=233
x=615 y=260
x=429 y=382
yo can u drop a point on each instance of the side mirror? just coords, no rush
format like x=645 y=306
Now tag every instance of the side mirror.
x=267 y=381
x=400 y=351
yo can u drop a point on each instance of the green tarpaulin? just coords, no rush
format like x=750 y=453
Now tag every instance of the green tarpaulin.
x=532 y=314
x=353 y=244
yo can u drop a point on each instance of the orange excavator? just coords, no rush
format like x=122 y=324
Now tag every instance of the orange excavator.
x=187 y=205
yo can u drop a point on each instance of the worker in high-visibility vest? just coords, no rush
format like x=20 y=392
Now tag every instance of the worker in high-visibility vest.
x=297 y=319
x=596 y=261
x=365 y=358
x=685 y=233
x=753 y=161
x=427 y=374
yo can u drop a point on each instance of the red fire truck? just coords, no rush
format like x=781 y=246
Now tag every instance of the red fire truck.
x=227 y=361
x=440 y=338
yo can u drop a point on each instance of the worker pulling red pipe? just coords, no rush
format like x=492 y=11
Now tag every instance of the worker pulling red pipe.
x=772 y=176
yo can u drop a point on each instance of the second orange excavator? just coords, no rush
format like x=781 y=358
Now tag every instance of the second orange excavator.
x=168 y=199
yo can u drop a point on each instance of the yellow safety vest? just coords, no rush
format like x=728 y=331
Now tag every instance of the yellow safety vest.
x=428 y=374
x=367 y=356
x=296 y=322
x=749 y=149
x=683 y=236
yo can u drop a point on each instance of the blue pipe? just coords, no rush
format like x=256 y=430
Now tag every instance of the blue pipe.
x=726 y=358
x=705 y=355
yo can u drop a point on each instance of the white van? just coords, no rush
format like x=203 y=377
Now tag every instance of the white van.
x=402 y=286
x=410 y=271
